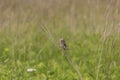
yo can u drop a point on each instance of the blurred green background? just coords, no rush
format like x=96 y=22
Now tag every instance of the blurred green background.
x=30 y=33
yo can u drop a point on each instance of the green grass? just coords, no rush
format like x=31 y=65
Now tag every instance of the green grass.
x=30 y=33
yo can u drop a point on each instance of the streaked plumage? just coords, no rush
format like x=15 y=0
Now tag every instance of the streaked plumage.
x=63 y=44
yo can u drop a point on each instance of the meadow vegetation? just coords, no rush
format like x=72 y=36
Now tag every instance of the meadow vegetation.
x=30 y=32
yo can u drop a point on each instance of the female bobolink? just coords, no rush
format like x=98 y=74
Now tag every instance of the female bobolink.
x=63 y=44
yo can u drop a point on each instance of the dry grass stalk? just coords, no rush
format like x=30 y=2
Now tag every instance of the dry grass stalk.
x=74 y=66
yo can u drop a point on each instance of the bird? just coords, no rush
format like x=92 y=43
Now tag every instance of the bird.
x=63 y=44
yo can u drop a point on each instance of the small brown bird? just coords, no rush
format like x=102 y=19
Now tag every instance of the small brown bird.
x=63 y=44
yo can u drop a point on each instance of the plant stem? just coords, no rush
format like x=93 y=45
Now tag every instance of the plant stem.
x=74 y=66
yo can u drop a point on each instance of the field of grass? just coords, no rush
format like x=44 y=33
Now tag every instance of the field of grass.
x=30 y=33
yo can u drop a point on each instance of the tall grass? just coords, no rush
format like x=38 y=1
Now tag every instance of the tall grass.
x=30 y=31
